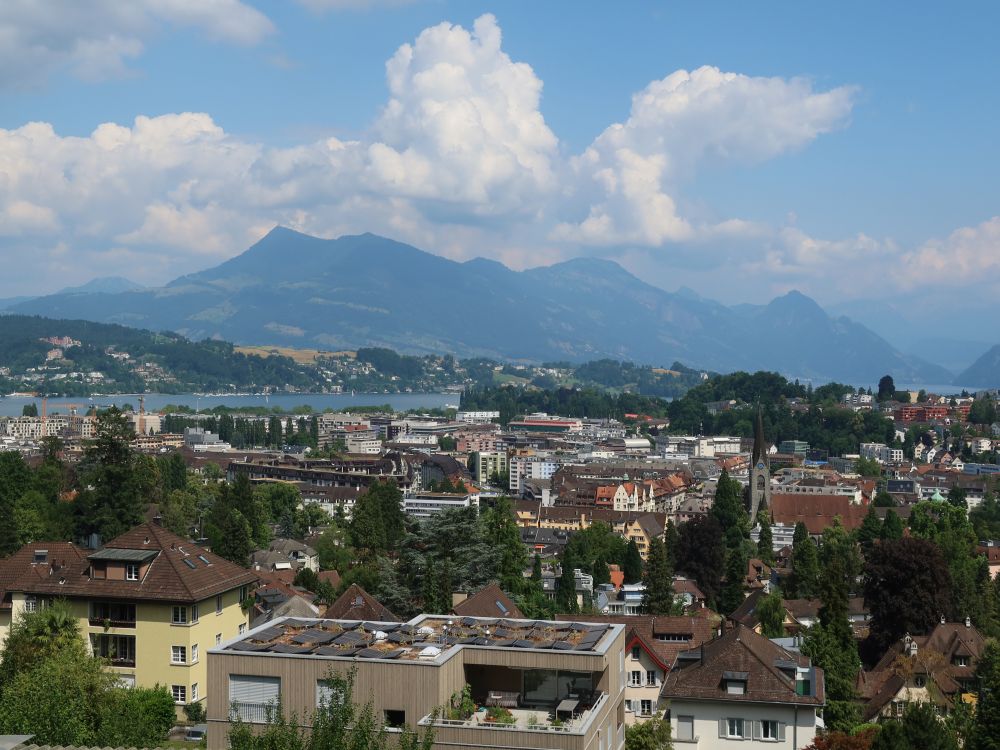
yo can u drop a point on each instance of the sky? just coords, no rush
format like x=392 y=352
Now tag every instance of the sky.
x=847 y=150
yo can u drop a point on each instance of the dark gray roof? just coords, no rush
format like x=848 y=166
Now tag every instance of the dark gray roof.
x=124 y=555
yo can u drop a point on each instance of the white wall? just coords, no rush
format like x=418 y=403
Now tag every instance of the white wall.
x=708 y=713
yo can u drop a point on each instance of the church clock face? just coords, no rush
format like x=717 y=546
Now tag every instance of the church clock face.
x=760 y=465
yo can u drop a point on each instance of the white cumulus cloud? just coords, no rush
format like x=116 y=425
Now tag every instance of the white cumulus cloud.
x=96 y=39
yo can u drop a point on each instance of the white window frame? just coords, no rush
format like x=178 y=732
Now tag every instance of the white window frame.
x=731 y=728
x=635 y=678
x=243 y=628
x=194 y=692
x=651 y=680
x=131 y=571
x=194 y=654
x=179 y=694
x=194 y=613
x=176 y=651
x=628 y=705
x=179 y=615
x=218 y=604
x=765 y=726
x=30 y=604
x=218 y=638
x=645 y=707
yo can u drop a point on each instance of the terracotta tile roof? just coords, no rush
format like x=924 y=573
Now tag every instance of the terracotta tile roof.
x=20 y=566
x=331 y=576
x=357 y=604
x=816 y=511
x=488 y=602
x=168 y=578
x=742 y=651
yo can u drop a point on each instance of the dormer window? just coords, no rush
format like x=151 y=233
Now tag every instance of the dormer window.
x=735 y=683
x=961 y=661
x=40 y=556
x=131 y=572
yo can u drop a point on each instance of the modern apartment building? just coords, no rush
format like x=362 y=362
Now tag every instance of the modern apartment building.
x=489 y=463
x=149 y=602
x=563 y=683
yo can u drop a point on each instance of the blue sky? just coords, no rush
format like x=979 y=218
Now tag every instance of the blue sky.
x=884 y=157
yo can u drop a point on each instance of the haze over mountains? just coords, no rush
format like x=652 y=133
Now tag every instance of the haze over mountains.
x=295 y=290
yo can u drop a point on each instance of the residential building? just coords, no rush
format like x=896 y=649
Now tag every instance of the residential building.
x=149 y=601
x=425 y=504
x=563 y=683
x=489 y=463
x=526 y=468
x=743 y=687
x=478 y=417
x=939 y=668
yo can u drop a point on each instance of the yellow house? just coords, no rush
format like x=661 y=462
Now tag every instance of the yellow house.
x=149 y=602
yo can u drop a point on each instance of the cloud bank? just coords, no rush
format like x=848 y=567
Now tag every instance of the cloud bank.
x=459 y=161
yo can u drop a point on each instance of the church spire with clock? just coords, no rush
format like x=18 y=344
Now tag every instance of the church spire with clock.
x=760 y=471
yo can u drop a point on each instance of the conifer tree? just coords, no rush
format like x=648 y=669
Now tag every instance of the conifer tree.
x=658 y=597
x=633 y=563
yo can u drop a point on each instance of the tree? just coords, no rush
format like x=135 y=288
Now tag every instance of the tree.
x=734 y=589
x=111 y=503
x=957 y=497
x=632 y=568
x=892 y=526
x=883 y=499
x=919 y=728
x=983 y=411
x=701 y=554
x=805 y=565
x=860 y=740
x=765 y=543
x=771 y=612
x=869 y=530
x=367 y=527
x=658 y=597
x=868 y=467
x=727 y=507
x=652 y=734
x=986 y=729
x=502 y=534
x=907 y=588
x=566 y=602
x=35 y=636
x=886 y=388
x=14 y=479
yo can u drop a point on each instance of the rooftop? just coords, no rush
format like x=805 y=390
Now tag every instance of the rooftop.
x=424 y=638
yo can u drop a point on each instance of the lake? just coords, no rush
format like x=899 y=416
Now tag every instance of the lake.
x=11 y=406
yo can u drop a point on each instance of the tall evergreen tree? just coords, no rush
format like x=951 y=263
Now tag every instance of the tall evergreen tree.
x=566 y=602
x=765 y=543
x=658 y=597
x=15 y=478
x=111 y=503
x=503 y=534
x=805 y=565
x=734 y=589
x=870 y=530
x=670 y=539
x=632 y=569
x=728 y=508
x=986 y=729
x=892 y=526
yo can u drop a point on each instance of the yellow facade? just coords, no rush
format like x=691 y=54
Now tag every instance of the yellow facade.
x=153 y=638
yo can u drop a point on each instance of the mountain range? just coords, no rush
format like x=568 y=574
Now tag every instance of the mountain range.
x=291 y=289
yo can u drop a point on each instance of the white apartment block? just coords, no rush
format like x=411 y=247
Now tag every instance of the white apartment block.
x=426 y=504
x=489 y=463
x=881 y=452
x=527 y=468
x=477 y=417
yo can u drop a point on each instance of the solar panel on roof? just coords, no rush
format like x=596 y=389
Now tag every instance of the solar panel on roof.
x=246 y=646
x=288 y=648
x=368 y=653
x=334 y=651
x=520 y=643
x=468 y=621
x=314 y=637
x=400 y=637
x=267 y=634
x=562 y=646
x=351 y=637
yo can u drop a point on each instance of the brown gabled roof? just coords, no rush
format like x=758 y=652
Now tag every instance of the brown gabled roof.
x=650 y=631
x=20 y=566
x=816 y=511
x=488 y=602
x=168 y=577
x=357 y=604
x=741 y=651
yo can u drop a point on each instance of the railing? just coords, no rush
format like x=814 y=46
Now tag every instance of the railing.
x=252 y=713
x=103 y=622
x=567 y=726
x=120 y=661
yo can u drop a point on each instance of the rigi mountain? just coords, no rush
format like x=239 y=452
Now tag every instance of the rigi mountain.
x=295 y=290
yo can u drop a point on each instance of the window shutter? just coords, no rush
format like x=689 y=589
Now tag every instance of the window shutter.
x=781 y=731
x=756 y=730
x=722 y=727
x=253 y=689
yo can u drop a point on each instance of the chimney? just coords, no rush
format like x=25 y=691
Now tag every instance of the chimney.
x=968 y=621
x=158 y=520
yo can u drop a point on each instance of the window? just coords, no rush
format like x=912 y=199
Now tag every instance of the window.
x=920 y=681
x=194 y=653
x=628 y=705
x=131 y=572
x=180 y=616
x=253 y=698
x=194 y=613
x=30 y=604
x=178 y=655
x=736 y=687
x=635 y=678
x=326 y=694
x=394 y=719
x=732 y=728
x=769 y=730
x=218 y=604
x=635 y=653
x=194 y=692
x=646 y=707
x=243 y=593
x=961 y=661
x=685 y=727
x=243 y=628
x=179 y=692
x=119 y=650
x=218 y=638
x=650 y=676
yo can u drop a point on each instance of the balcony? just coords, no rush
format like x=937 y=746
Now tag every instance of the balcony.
x=252 y=713
x=99 y=622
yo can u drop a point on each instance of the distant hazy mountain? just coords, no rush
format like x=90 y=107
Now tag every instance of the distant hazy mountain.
x=103 y=284
x=295 y=290
x=8 y=302
x=984 y=372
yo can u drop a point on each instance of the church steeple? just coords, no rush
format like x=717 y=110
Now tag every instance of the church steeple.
x=760 y=470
